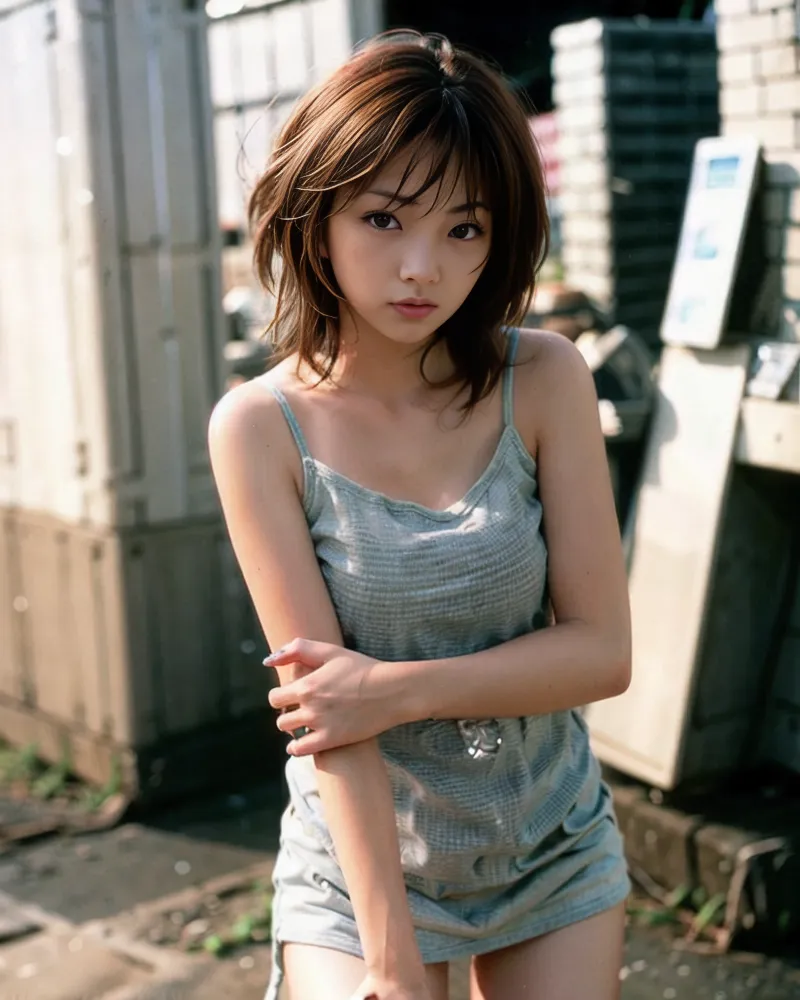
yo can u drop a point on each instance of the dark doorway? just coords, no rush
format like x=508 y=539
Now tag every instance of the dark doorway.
x=516 y=35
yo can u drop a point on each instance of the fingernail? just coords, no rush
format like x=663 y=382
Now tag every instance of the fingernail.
x=272 y=656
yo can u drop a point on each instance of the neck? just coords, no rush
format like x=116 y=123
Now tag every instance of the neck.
x=373 y=364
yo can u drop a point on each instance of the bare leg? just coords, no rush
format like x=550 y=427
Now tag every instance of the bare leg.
x=314 y=973
x=579 y=962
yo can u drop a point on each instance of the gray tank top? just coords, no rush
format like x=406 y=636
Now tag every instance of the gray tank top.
x=412 y=583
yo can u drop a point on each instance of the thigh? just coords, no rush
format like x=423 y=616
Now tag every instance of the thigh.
x=582 y=960
x=314 y=973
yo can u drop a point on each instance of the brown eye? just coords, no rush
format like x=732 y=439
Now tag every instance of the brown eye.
x=466 y=231
x=381 y=220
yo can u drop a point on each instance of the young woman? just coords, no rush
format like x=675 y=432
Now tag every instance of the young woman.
x=419 y=499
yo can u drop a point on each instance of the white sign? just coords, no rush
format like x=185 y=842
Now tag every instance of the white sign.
x=714 y=222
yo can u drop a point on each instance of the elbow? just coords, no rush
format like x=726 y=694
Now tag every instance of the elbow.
x=619 y=669
x=620 y=678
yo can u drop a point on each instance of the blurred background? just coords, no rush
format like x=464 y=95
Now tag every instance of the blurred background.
x=132 y=132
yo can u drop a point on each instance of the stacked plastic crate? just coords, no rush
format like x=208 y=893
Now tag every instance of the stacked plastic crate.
x=632 y=98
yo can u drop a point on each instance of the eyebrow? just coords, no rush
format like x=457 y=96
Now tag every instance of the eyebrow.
x=391 y=197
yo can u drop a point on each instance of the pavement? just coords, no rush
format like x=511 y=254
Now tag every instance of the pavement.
x=60 y=961
x=88 y=917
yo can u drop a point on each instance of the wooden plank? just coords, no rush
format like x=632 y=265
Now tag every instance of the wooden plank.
x=673 y=546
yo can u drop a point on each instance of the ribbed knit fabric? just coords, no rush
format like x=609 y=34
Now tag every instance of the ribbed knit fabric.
x=506 y=830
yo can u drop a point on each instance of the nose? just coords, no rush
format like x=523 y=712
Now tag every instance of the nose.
x=419 y=263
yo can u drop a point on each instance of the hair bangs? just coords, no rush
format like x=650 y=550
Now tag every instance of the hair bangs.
x=436 y=133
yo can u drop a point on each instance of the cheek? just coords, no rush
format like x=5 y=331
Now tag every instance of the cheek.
x=476 y=265
x=354 y=257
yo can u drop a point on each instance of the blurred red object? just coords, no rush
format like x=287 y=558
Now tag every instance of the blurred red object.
x=545 y=132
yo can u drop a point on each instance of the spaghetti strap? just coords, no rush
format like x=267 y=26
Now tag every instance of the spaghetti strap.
x=291 y=420
x=508 y=378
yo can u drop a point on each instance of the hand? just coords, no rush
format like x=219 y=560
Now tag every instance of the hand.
x=373 y=988
x=336 y=696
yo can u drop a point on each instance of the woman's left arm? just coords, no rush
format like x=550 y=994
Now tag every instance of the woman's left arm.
x=584 y=657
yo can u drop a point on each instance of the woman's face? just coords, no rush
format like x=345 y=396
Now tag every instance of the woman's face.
x=405 y=270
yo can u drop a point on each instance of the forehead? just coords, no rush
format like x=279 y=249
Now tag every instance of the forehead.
x=427 y=176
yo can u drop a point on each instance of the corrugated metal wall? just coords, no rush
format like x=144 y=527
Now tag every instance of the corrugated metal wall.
x=109 y=265
x=262 y=59
x=126 y=634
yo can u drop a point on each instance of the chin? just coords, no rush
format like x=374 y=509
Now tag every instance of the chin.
x=410 y=338
x=408 y=331
x=395 y=328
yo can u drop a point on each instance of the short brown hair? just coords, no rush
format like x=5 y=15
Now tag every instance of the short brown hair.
x=402 y=91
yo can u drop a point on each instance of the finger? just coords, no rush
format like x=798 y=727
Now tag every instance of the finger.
x=311 y=743
x=287 y=696
x=289 y=721
x=286 y=654
x=304 y=651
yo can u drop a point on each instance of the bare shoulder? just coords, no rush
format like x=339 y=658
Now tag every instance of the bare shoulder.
x=259 y=477
x=250 y=409
x=247 y=425
x=549 y=362
x=552 y=380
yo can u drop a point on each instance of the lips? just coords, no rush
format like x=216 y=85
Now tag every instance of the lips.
x=415 y=308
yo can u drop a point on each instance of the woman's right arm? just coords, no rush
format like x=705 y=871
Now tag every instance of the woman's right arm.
x=259 y=479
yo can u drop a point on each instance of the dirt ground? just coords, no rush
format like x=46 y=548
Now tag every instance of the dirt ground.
x=197 y=878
